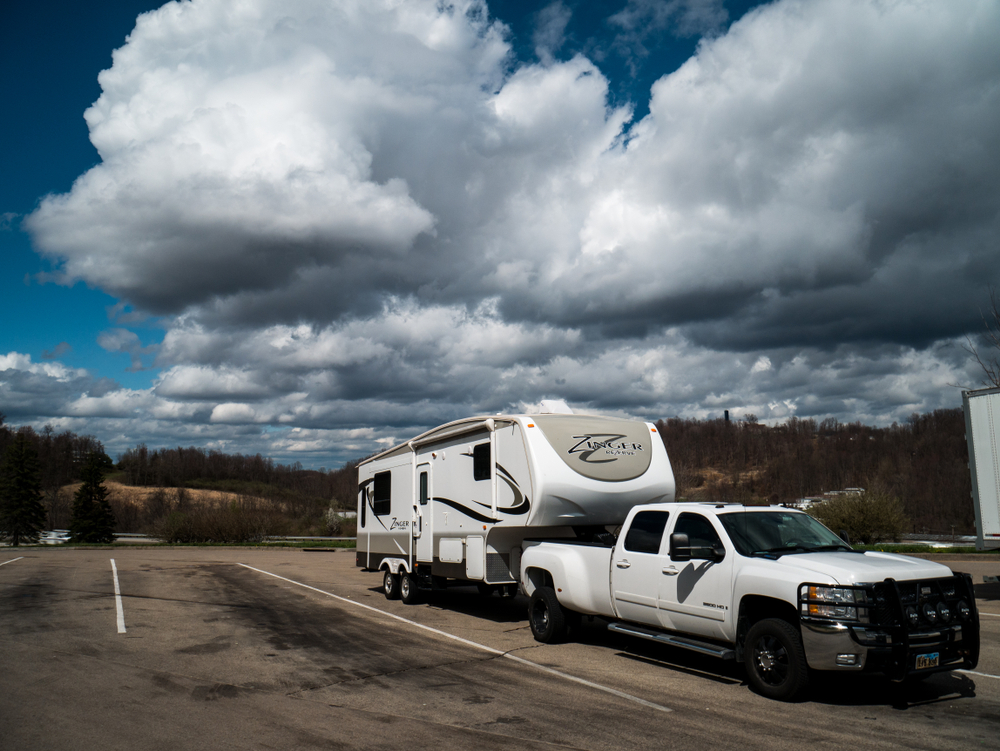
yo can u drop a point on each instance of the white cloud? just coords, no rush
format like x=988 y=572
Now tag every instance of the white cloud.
x=363 y=215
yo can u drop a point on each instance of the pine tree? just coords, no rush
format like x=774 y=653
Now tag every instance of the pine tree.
x=92 y=519
x=22 y=516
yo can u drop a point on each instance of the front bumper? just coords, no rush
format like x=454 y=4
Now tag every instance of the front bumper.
x=889 y=643
x=853 y=648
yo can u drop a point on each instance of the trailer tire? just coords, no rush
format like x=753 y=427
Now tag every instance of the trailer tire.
x=775 y=660
x=546 y=616
x=486 y=590
x=390 y=585
x=409 y=591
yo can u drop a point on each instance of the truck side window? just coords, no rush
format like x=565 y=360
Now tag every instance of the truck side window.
x=481 y=462
x=423 y=488
x=700 y=532
x=383 y=493
x=646 y=531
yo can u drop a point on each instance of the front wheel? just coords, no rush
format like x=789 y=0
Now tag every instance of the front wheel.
x=408 y=589
x=775 y=660
x=546 y=616
x=390 y=585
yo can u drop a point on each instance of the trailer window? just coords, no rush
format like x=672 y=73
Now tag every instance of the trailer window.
x=423 y=488
x=646 y=531
x=481 y=462
x=383 y=493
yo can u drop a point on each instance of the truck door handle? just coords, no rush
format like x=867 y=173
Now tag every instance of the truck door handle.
x=623 y=564
x=671 y=571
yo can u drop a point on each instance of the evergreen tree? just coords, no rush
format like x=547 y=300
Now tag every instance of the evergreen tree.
x=22 y=516
x=92 y=519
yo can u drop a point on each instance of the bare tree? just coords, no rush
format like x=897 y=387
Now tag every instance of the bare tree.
x=989 y=361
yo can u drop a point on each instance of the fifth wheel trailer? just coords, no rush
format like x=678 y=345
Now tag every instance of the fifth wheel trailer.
x=982 y=432
x=455 y=503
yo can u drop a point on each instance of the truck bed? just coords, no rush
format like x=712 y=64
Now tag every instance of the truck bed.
x=584 y=568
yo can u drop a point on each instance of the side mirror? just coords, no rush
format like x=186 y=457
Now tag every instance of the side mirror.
x=844 y=536
x=718 y=553
x=680 y=547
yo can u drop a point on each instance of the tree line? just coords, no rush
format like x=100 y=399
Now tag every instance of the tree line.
x=923 y=462
x=210 y=469
x=23 y=515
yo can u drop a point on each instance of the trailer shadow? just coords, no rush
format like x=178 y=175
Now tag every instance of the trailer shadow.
x=468 y=601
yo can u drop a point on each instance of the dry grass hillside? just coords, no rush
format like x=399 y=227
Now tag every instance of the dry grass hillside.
x=193 y=515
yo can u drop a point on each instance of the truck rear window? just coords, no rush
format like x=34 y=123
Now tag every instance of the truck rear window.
x=646 y=532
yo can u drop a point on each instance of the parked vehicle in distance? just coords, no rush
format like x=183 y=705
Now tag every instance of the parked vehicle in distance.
x=452 y=505
x=770 y=587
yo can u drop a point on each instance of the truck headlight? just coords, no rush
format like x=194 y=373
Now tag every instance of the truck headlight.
x=834 y=603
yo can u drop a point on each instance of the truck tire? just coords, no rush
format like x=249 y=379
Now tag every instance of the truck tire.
x=775 y=660
x=390 y=585
x=409 y=592
x=546 y=616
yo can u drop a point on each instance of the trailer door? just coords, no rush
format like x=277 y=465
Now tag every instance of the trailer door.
x=422 y=515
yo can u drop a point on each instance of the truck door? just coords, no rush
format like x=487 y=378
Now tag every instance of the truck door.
x=635 y=568
x=422 y=516
x=696 y=595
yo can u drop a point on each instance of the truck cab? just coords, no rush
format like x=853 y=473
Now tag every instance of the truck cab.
x=769 y=586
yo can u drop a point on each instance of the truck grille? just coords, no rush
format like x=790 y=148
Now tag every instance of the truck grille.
x=924 y=604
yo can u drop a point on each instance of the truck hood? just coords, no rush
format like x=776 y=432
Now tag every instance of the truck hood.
x=851 y=568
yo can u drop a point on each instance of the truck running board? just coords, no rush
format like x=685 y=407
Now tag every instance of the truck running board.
x=684 y=642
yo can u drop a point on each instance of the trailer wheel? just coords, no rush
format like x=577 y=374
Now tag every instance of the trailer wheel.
x=775 y=660
x=546 y=616
x=486 y=590
x=408 y=589
x=390 y=585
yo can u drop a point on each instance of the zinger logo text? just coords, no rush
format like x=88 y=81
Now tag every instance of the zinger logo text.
x=609 y=444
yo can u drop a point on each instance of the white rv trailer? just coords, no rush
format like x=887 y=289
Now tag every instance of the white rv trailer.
x=455 y=502
x=982 y=432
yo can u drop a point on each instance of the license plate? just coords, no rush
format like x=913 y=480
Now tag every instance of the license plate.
x=929 y=660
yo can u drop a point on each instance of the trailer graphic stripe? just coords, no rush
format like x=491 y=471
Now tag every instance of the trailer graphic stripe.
x=476 y=645
x=465 y=510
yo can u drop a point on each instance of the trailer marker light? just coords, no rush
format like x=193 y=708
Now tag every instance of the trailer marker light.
x=531 y=424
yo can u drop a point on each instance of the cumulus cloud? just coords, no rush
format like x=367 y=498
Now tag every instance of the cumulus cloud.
x=369 y=215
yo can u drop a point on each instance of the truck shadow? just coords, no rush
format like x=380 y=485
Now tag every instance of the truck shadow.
x=826 y=688
x=988 y=591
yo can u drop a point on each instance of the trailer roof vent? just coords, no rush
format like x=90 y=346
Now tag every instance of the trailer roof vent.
x=554 y=407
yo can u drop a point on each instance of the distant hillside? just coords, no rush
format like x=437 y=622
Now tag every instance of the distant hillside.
x=924 y=462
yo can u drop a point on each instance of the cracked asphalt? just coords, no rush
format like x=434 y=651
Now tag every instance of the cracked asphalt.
x=217 y=655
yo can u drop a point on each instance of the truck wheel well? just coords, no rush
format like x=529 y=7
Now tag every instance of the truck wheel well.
x=758 y=607
x=539 y=577
x=754 y=608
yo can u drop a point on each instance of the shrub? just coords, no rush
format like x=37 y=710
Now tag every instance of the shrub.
x=870 y=517
x=238 y=519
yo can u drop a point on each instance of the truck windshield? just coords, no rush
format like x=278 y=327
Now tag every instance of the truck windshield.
x=779 y=533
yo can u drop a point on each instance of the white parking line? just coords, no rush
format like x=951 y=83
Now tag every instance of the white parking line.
x=11 y=560
x=118 y=598
x=521 y=660
x=981 y=675
x=991 y=615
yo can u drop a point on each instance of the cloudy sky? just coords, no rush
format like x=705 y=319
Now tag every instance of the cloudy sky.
x=313 y=227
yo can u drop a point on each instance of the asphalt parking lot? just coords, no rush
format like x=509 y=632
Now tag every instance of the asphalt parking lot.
x=219 y=648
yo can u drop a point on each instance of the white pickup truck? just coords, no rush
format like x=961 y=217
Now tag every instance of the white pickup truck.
x=768 y=586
